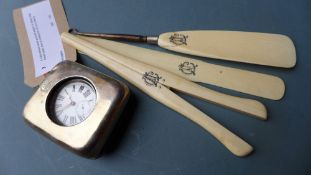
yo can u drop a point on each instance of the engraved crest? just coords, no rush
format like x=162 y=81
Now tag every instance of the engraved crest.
x=187 y=68
x=151 y=78
x=178 y=39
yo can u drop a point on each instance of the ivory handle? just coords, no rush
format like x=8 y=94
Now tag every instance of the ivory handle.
x=247 y=106
x=243 y=105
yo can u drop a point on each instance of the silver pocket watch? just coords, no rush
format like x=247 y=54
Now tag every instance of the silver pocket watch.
x=77 y=107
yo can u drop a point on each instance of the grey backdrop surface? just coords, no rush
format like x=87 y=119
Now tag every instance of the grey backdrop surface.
x=152 y=139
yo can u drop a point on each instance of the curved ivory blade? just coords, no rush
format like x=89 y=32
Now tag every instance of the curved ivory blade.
x=248 y=47
x=249 y=82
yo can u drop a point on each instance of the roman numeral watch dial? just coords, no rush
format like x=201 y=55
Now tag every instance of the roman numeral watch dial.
x=72 y=102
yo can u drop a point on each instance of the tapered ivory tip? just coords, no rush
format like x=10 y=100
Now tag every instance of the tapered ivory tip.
x=290 y=47
x=245 y=152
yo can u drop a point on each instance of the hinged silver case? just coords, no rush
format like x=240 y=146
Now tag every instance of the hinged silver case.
x=87 y=138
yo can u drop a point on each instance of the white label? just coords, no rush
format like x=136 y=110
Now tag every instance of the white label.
x=45 y=42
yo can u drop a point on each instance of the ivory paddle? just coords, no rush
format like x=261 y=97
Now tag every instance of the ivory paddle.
x=117 y=63
x=247 y=47
x=249 y=82
x=244 y=105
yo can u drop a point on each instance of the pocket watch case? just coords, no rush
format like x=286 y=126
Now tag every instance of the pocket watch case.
x=79 y=120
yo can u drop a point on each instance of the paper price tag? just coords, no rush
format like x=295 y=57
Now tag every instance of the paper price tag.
x=38 y=27
x=46 y=45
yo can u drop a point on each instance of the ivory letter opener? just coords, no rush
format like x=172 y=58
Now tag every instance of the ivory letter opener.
x=156 y=83
x=248 y=82
x=247 y=47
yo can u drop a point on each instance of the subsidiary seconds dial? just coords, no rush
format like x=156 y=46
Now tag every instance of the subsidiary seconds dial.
x=73 y=102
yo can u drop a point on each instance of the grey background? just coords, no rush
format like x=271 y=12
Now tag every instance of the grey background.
x=152 y=139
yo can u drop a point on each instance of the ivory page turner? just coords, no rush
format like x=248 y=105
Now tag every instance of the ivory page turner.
x=247 y=47
x=159 y=92
x=247 y=106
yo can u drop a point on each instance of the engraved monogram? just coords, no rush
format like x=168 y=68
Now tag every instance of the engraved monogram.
x=178 y=39
x=46 y=85
x=151 y=78
x=187 y=68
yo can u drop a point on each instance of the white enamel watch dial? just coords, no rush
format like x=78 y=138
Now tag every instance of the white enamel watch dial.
x=73 y=102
